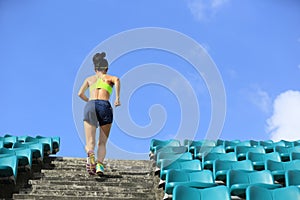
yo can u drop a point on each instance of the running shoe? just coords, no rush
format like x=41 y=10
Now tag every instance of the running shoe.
x=99 y=169
x=90 y=163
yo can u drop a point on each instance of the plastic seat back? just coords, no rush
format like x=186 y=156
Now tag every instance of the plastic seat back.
x=211 y=157
x=294 y=156
x=275 y=165
x=157 y=144
x=172 y=157
x=9 y=166
x=262 y=157
x=224 y=166
x=167 y=165
x=257 y=192
x=183 y=193
x=204 y=176
x=248 y=177
x=241 y=151
x=292 y=177
x=9 y=141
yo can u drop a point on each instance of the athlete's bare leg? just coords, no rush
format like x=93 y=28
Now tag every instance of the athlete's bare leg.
x=104 y=133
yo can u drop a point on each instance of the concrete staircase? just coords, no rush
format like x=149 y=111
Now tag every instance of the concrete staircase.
x=66 y=178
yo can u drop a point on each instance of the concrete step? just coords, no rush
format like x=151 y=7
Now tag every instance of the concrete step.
x=48 y=197
x=66 y=178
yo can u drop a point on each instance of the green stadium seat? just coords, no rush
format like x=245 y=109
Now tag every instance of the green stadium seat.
x=196 y=179
x=182 y=192
x=239 y=180
x=292 y=178
x=259 y=159
x=221 y=167
x=278 y=169
x=261 y=193
x=9 y=168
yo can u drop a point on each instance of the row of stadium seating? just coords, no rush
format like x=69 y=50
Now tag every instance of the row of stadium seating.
x=18 y=154
x=232 y=173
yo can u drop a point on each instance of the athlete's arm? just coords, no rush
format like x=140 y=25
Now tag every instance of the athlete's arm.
x=117 y=83
x=82 y=90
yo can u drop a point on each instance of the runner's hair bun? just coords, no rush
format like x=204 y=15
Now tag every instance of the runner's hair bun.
x=102 y=55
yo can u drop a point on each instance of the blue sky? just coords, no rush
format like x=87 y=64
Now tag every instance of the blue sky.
x=45 y=47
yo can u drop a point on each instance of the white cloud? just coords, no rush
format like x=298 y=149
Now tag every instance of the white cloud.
x=284 y=123
x=261 y=99
x=203 y=10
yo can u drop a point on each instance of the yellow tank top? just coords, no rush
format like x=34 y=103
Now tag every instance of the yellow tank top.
x=101 y=84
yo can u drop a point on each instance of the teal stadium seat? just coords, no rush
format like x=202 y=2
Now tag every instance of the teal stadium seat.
x=239 y=180
x=159 y=145
x=9 y=168
x=156 y=144
x=254 y=143
x=1 y=144
x=207 y=160
x=241 y=151
x=261 y=193
x=197 y=179
x=294 y=156
x=259 y=159
x=285 y=152
x=9 y=141
x=200 y=151
x=55 y=142
x=220 y=142
x=171 y=150
x=231 y=144
x=24 y=156
x=292 y=178
x=37 y=149
x=46 y=141
x=278 y=169
x=200 y=143
x=221 y=167
x=172 y=156
x=297 y=143
x=267 y=144
x=167 y=165
x=182 y=192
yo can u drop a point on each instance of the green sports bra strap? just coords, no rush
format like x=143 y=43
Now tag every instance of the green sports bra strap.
x=101 y=84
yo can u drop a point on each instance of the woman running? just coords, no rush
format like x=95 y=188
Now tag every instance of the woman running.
x=98 y=111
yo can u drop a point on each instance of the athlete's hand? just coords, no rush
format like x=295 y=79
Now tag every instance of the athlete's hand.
x=117 y=103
